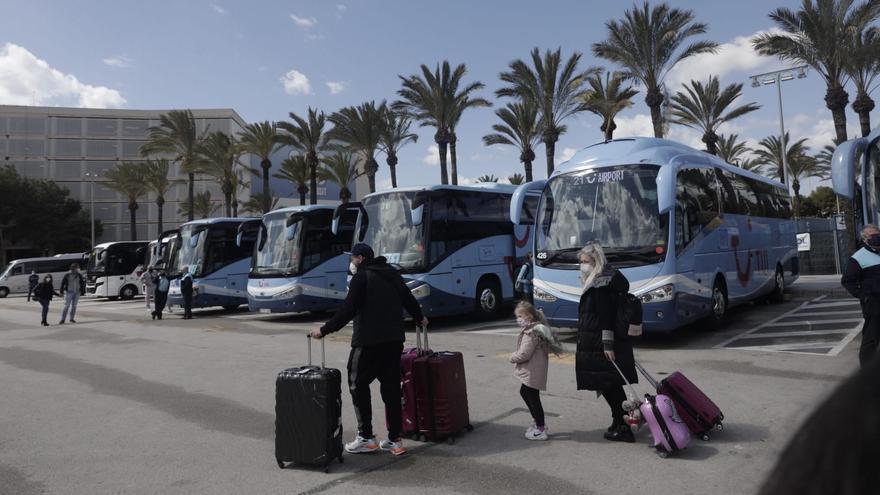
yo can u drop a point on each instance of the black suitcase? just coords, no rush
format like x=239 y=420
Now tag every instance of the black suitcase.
x=308 y=415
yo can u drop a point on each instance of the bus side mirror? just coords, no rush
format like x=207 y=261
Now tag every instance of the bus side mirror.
x=341 y=209
x=666 y=189
x=519 y=198
x=417 y=213
x=843 y=166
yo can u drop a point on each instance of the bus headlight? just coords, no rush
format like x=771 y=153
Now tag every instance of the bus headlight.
x=660 y=294
x=294 y=291
x=543 y=295
x=421 y=291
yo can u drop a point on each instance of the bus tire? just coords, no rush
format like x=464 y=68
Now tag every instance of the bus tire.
x=719 y=302
x=4 y=291
x=127 y=292
x=488 y=299
x=778 y=294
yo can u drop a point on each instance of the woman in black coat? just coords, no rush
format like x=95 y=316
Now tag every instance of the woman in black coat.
x=602 y=337
x=43 y=293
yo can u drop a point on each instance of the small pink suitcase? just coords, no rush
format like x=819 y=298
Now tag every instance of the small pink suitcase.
x=669 y=431
x=696 y=409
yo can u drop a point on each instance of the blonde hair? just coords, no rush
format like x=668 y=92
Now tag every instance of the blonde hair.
x=531 y=310
x=593 y=250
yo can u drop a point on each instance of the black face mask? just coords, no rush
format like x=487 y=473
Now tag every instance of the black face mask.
x=873 y=241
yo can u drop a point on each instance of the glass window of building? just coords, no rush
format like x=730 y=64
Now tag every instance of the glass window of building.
x=135 y=128
x=32 y=169
x=213 y=125
x=67 y=169
x=68 y=126
x=106 y=211
x=76 y=192
x=104 y=193
x=27 y=147
x=99 y=167
x=101 y=127
x=27 y=125
x=67 y=147
x=102 y=148
x=132 y=149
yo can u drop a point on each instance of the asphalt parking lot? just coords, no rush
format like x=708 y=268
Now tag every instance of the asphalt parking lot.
x=118 y=403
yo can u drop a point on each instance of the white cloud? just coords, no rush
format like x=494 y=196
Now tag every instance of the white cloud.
x=304 y=22
x=335 y=87
x=734 y=56
x=566 y=155
x=341 y=7
x=120 y=61
x=638 y=125
x=296 y=83
x=384 y=184
x=218 y=9
x=26 y=79
x=433 y=156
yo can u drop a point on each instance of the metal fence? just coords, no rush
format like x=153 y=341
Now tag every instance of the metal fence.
x=823 y=251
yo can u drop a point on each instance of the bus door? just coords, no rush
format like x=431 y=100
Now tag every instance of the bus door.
x=696 y=224
x=245 y=239
x=523 y=213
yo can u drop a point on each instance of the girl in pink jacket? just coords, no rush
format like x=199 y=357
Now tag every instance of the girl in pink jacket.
x=533 y=346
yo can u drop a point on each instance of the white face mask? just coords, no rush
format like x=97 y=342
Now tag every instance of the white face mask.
x=586 y=268
x=522 y=322
x=352 y=267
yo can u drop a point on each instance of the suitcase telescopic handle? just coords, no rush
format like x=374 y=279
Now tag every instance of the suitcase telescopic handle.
x=632 y=389
x=424 y=339
x=309 y=338
x=647 y=375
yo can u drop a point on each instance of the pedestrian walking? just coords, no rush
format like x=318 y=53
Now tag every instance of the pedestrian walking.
x=162 y=285
x=33 y=280
x=148 y=280
x=524 y=279
x=186 y=290
x=43 y=293
x=376 y=298
x=73 y=285
x=600 y=339
x=862 y=279
x=531 y=359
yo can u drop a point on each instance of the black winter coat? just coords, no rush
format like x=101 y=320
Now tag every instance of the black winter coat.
x=45 y=290
x=377 y=296
x=598 y=311
x=186 y=286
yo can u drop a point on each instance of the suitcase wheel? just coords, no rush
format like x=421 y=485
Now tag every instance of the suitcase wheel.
x=469 y=427
x=341 y=460
x=704 y=437
x=719 y=427
x=662 y=453
x=280 y=463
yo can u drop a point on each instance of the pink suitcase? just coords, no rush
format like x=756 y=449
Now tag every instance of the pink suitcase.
x=669 y=431
x=697 y=410
x=409 y=413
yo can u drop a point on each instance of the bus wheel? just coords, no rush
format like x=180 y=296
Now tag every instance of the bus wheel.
x=3 y=292
x=719 y=303
x=127 y=292
x=231 y=307
x=778 y=294
x=489 y=302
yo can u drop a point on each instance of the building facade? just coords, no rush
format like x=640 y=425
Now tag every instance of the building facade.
x=75 y=147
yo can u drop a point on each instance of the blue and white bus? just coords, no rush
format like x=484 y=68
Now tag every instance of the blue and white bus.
x=855 y=175
x=692 y=234
x=298 y=263
x=454 y=245
x=218 y=255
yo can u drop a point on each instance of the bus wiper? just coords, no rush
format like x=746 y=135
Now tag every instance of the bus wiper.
x=647 y=254
x=552 y=256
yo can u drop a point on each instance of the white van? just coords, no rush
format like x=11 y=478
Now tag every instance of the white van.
x=14 y=279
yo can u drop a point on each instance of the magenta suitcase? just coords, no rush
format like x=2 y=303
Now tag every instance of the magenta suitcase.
x=669 y=431
x=409 y=414
x=441 y=396
x=697 y=410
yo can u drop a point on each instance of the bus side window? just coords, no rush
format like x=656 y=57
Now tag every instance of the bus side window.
x=697 y=202
x=18 y=269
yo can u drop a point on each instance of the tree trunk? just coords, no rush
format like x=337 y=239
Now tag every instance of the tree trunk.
x=302 y=190
x=836 y=99
x=444 y=178
x=235 y=208
x=160 y=204
x=192 y=197
x=528 y=166
x=654 y=100
x=132 y=208
x=711 y=141
x=609 y=129
x=344 y=195
x=266 y=165
x=371 y=177
x=391 y=160
x=550 y=149
x=796 y=187
x=862 y=105
x=452 y=140
x=227 y=198
x=313 y=178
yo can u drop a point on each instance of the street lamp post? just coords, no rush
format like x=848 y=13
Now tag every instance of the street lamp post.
x=777 y=77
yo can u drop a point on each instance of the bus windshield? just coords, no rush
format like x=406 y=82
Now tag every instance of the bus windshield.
x=616 y=207
x=391 y=233
x=97 y=261
x=191 y=249
x=280 y=253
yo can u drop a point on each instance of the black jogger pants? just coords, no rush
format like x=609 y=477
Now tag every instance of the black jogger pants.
x=369 y=363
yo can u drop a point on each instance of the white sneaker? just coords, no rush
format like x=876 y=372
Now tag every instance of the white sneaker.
x=536 y=434
x=395 y=448
x=361 y=445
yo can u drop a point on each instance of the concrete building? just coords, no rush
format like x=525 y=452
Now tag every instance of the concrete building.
x=75 y=147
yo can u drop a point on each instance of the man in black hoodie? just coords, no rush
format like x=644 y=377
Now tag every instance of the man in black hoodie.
x=377 y=296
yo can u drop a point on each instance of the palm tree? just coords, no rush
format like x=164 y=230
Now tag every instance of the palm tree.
x=434 y=100
x=770 y=153
x=801 y=166
x=863 y=67
x=462 y=102
x=156 y=180
x=129 y=179
x=519 y=129
x=296 y=170
x=340 y=169
x=218 y=158
x=257 y=201
x=176 y=134
x=360 y=129
x=646 y=44
x=202 y=206
x=823 y=157
x=487 y=178
x=752 y=165
x=308 y=136
x=705 y=108
x=817 y=35
x=730 y=149
x=395 y=134
x=261 y=139
x=606 y=98
x=239 y=185
x=517 y=179
x=556 y=90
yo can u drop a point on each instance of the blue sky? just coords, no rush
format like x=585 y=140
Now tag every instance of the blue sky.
x=231 y=54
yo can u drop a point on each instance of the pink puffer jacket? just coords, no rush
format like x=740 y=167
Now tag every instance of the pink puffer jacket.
x=531 y=359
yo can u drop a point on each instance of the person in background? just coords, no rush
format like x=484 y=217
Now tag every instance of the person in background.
x=43 y=293
x=524 y=279
x=162 y=285
x=186 y=290
x=148 y=280
x=73 y=285
x=862 y=279
x=599 y=342
x=33 y=280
